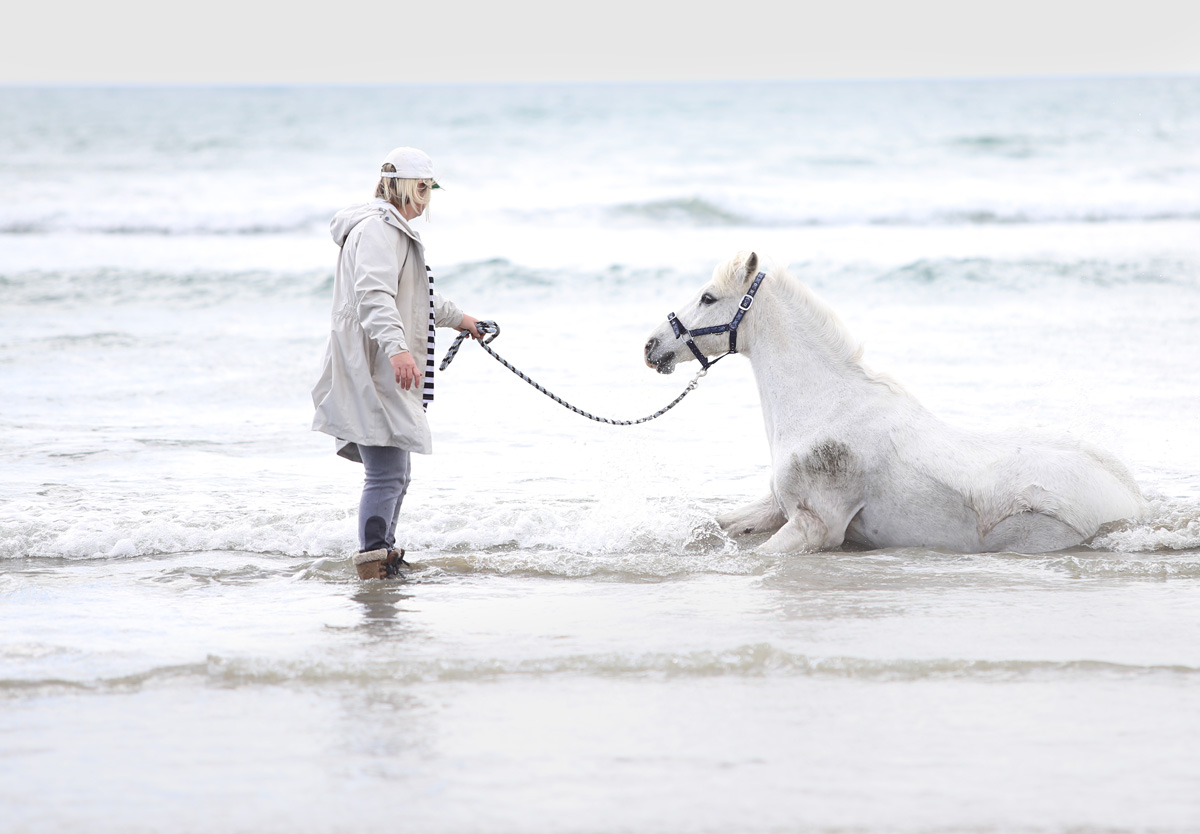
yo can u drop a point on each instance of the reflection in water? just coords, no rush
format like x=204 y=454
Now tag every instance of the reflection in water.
x=381 y=601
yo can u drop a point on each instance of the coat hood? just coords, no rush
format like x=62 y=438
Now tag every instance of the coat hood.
x=348 y=218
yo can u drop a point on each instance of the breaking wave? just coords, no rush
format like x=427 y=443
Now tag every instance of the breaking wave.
x=570 y=538
x=631 y=538
x=686 y=211
x=116 y=286
x=502 y=278
x=747 y=661
x=1027 y=274
x=1170 y=524
x=695 y=212
x=307 y=224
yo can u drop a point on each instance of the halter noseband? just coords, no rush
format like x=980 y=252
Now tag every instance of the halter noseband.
x=689 y=335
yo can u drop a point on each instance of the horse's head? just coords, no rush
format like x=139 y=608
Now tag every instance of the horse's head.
x=717 y=303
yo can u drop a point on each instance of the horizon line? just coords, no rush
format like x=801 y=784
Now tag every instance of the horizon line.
x=583 y=82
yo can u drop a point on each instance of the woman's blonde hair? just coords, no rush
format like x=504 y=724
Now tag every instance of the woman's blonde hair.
x=400 y=192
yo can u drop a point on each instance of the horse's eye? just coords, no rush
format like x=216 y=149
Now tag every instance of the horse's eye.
x=707 y=299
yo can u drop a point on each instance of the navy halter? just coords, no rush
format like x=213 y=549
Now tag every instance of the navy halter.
x=731 y=328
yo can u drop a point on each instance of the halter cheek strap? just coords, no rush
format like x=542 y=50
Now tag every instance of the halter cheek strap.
x=689 y=336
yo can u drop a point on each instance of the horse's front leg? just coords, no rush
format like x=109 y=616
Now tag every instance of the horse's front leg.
x=761 y=516
x=818 y=525
x=820 y=489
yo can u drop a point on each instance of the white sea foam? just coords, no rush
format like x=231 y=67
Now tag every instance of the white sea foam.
x=1170 y=524
x=609 y=534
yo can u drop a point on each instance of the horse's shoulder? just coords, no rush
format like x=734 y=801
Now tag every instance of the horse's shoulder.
x=829 y=459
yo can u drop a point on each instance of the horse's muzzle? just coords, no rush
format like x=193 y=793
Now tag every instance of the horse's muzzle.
x=650 y=346
x=664 y=363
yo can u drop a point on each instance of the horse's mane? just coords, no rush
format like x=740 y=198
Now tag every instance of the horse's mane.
x=819 y=320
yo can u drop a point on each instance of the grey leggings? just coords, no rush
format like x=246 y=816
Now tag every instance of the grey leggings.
x=386 y=481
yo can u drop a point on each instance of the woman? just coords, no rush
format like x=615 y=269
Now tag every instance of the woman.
x=378 y=376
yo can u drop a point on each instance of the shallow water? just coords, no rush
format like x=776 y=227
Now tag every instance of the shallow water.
x=185 y=646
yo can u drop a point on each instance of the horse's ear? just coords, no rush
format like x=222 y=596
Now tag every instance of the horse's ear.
x=751 y=267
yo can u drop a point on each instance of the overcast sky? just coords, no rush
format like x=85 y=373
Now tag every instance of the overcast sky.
x=222 y=41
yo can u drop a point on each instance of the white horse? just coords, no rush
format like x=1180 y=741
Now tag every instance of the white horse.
x=854 y=458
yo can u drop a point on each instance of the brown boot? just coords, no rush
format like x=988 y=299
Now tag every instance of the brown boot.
x=370 y=564
x=393 y=563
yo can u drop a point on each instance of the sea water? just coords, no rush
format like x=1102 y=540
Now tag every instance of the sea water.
x=184 y=644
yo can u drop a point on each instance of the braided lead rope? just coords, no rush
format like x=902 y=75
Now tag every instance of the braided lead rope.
x=493 y=330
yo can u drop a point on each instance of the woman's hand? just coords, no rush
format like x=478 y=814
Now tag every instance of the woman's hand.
x=406 y=370
x=471 y=325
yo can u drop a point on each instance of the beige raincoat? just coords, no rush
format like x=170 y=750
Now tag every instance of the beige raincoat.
x=380 y=309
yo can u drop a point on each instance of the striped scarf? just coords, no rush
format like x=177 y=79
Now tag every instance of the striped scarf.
x=428 y=393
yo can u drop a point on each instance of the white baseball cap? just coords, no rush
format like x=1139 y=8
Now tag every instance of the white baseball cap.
x=410 y=164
